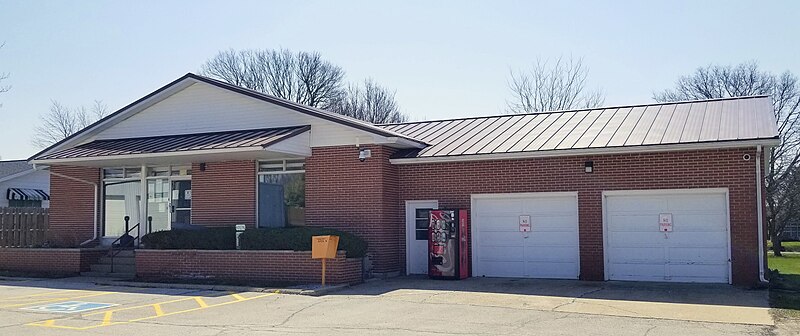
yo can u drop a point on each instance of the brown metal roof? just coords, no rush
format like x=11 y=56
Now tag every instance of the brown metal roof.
x=179 y=143
x=716 y=120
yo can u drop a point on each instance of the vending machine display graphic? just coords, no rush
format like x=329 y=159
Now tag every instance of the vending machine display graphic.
x=447 y=244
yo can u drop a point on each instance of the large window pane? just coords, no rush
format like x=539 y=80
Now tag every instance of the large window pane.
x=282 y=200
x=120 y=199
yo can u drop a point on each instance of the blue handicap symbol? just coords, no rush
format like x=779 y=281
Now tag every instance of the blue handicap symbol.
x=70 y=307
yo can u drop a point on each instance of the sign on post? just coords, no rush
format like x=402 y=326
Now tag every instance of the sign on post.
x=324 y=247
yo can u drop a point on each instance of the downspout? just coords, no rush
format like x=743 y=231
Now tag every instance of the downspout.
x=94 y=212
x=760 y=212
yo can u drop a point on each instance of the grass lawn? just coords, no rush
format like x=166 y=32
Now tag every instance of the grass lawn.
x=791 y=246
x=784 y=287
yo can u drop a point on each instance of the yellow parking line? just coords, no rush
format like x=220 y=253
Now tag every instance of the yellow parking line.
x=107 y=318
x=140 y=306
x=107 y=314
x=22 y=297
x=56 y=300
x=237 y=297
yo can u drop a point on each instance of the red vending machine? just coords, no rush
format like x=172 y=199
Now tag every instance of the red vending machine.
x=447 y=244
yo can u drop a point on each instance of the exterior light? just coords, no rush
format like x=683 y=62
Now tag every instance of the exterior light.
x=588 y=166
x=363 y=154
x=203 y=166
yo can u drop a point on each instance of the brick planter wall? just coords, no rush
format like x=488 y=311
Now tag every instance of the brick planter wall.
x=453 y=183
x=54 y=261
x=249 y=266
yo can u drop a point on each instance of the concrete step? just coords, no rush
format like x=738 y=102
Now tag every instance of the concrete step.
x=119 y=268
x=117 y=260
x=124 y=253
x=115 y=275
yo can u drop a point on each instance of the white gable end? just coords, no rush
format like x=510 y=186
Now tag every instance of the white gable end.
x=202 y=108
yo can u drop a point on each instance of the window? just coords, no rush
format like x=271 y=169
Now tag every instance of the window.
x=24 y=204
x=120 y=199
x=281 y=193
x=422 y=220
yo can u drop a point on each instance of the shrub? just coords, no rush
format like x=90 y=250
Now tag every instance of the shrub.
x=208 y=239
x=299 y=239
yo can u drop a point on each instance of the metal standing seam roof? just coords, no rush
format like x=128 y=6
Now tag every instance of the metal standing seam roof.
x=179 y=143
x=715 y=120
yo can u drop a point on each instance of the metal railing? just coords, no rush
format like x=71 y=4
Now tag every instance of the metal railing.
x=125 y=242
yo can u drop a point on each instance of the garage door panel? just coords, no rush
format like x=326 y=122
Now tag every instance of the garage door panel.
x=698 y=255
x=645 y=272
x=634 y=239
x=551 y=239
x=698 y=273
x=637 y=255
x=555 y=254
x=696 y=250
x=635 y=204
x=503 y=269
x=500 y=253
x=550 y=249
x=500 y=238
x=550 y=270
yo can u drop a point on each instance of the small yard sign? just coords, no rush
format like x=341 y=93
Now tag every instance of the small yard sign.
x=69 y=307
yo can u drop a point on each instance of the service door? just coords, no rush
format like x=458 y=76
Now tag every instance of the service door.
x=667 y=235
x=501 y=248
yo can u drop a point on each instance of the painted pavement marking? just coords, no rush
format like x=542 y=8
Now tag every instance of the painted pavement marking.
x=68 y=307
x=152 y=310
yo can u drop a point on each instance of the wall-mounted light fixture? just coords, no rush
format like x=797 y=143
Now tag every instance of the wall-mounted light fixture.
x=203 y=166
x=363 y=154
x=588 y=166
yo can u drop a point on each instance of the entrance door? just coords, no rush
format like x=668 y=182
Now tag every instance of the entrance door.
x=181 y=203
x=169 y=203
x=417 y=235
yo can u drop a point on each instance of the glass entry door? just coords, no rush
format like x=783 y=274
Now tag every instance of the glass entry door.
x=181 y=203
x=158 y=203
x=169 y=203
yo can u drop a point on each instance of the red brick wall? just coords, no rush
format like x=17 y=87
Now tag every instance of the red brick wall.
x=48 y=260
x=357 y=197
x=453 y=183
x=251 y=266
x=224 y=194
x=72 y=204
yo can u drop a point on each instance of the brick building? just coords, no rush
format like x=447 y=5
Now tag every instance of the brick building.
x=659 y=192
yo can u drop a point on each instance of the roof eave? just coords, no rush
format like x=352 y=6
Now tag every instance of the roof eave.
x=590 y=151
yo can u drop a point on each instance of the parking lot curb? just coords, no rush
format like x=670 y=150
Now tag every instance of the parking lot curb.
x=311 y=290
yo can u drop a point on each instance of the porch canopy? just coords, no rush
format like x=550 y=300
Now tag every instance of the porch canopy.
x=268 y=143
x=24 y=194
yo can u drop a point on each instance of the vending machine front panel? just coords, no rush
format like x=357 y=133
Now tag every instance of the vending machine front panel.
x=447 y=244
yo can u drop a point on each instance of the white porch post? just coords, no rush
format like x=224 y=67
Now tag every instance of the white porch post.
x=143 y=203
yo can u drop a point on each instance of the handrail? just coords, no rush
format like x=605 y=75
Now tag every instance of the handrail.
x=118 y=242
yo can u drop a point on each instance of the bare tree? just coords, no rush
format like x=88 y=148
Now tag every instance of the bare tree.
x=61 y=121
x=783 y=175
x=305 y=78
x=370 y=102
x=302 y=77
x=561 y=86
x=3 y=76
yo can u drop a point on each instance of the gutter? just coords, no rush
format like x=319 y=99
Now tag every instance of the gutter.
x=95 y=188
x=759 y=211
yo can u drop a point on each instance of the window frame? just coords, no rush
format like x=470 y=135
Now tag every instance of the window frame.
x=284 y=164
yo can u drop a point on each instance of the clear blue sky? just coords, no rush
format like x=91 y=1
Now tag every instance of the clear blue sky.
x=444 y=58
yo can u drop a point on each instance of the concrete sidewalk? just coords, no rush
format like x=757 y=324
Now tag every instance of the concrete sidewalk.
x=687 y=302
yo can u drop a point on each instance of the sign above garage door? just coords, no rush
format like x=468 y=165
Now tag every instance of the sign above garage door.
x=667 y=235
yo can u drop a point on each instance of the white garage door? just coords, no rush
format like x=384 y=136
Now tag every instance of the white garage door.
x=549 y=250
x=695 y=251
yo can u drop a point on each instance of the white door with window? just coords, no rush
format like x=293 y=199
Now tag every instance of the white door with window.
x=417 y=235
x=691 y=245
x=526 y=235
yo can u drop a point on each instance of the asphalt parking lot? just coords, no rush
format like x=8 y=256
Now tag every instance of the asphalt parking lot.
x=78 y=306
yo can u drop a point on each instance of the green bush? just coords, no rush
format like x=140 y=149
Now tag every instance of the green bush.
x=207 y=239
x=299 y=239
